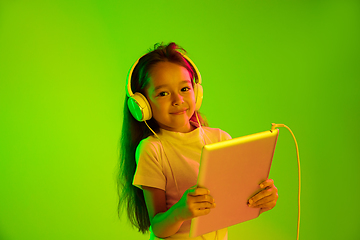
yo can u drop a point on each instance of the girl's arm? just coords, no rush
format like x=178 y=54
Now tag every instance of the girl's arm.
x=195 y=202
x=164 y=223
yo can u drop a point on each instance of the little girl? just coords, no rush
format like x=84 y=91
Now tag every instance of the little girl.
x=162 y=137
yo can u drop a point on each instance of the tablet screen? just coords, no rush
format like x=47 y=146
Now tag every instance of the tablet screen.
x=232 y=170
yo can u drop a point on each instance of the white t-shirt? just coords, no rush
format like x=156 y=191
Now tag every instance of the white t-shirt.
x=172 y=164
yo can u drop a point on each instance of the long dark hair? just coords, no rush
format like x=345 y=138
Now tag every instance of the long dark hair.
x=130 y=197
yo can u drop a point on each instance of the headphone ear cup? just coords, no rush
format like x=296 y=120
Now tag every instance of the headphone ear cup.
x=198 y=90
x=139 y=107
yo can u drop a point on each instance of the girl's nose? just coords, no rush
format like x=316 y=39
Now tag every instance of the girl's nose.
x=178 y=100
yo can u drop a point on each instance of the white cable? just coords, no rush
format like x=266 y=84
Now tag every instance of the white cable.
x=172 y=172
x=299 y=172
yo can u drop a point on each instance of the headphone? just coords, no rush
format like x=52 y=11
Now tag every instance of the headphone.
x=139 y=105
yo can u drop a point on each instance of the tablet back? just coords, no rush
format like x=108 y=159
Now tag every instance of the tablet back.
x=232 y=170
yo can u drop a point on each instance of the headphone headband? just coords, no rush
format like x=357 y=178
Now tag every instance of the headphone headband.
x=130 y=93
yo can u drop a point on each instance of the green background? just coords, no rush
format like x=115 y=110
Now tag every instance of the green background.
x=63 y=67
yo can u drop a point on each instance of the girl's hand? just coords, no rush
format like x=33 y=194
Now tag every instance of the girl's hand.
x=266 y=199
x=195 y=202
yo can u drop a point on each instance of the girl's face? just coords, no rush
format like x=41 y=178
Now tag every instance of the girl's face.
x=171 y=96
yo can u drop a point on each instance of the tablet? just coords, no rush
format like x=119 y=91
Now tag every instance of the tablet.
x=232 y=170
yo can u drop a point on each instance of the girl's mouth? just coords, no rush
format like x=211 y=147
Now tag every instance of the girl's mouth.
x=180 y=112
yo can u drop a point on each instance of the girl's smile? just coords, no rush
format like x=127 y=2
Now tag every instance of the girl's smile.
x=171 y=96
x=180 y=112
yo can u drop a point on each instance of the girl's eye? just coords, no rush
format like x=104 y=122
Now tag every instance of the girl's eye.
x=185 y=89
x=162 y=94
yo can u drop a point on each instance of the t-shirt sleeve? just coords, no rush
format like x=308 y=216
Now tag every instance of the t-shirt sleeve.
x=224 y=135
x=149 y=171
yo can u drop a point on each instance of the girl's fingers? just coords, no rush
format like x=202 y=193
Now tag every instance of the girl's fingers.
x=199 y=195
x=202 y=212
x=203 y=198
x=265 y=202
x=204 y=205
x=198 y=191
x=195 y=202
x=268 y=205
x=201 y=209
x=267 y=183
x=260 y=195
x=270 y=192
